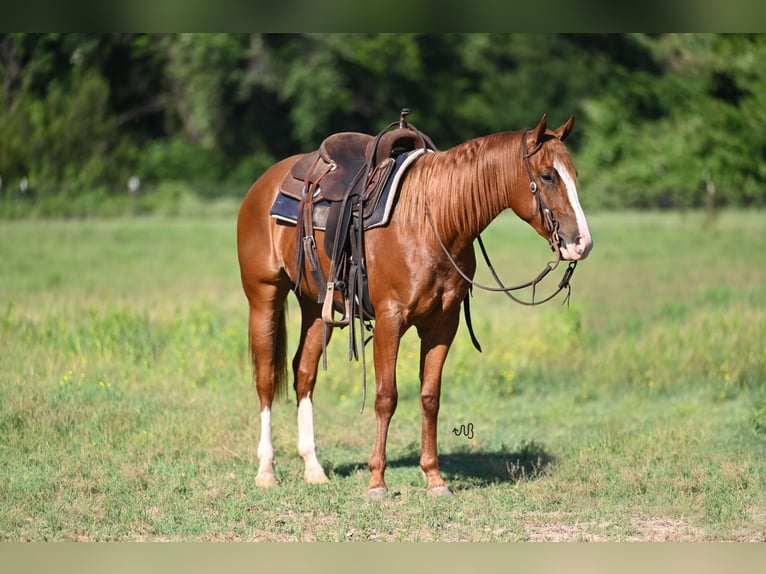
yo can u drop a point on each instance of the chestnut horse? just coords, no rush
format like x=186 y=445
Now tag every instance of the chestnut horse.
x=447 y=198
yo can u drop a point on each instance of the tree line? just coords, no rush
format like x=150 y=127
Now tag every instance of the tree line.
x=667 y=120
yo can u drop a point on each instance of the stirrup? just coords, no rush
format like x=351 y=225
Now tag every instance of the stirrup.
x=328 y=311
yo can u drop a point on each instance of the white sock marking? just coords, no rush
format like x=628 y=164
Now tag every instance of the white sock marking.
x=265 y=476
x=307 y=443
x=265 y=448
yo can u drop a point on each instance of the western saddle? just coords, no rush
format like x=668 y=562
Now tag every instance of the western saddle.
x=339 y=186
x=349 y=170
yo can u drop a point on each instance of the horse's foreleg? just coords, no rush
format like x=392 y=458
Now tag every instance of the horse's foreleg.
x=434 y=347
x=305 y=365
x=386 y=349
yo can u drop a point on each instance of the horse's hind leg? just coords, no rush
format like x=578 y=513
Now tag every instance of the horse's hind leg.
x=305 y=366
x=268 y=349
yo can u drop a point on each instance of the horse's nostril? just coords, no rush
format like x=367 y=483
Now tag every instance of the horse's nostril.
x=579 y=245
x=582 y=245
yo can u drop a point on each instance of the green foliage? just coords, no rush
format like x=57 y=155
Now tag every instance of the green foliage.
x=177 y=159
x=670 y=139
x=66 y=137
x=200 y=68
x=668 y=120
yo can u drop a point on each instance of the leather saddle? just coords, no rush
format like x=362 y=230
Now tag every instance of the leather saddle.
x=340 y=158
x=338 y=186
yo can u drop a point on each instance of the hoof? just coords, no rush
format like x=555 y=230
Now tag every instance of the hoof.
x=376 y=494
x=316 y=476
x=440 y=491
x=265 y=480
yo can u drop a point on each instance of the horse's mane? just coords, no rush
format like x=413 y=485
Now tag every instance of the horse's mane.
x=465 y=187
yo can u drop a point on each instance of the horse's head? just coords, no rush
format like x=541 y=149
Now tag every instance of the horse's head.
x=553 y=208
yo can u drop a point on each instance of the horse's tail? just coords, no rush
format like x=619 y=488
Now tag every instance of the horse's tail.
x=280 y=355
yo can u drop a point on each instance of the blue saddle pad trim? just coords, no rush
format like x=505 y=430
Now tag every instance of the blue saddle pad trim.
x=285 y=209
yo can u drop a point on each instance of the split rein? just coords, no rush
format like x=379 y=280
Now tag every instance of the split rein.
x=551 y=225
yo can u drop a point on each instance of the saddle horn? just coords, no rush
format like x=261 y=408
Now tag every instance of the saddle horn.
x=402 y=117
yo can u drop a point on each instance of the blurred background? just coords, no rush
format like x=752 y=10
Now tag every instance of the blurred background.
x=105 y=123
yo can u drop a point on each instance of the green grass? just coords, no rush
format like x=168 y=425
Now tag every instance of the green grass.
x=639 y=413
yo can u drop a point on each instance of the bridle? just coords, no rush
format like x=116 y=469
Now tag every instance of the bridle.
x=546 y=215
x=551 y=225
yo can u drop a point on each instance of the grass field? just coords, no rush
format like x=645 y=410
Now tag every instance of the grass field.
x=639 y=413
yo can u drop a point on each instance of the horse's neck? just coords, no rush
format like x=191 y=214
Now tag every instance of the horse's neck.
x=468 y=186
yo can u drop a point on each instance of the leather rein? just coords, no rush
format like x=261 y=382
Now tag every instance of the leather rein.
x=551 y=225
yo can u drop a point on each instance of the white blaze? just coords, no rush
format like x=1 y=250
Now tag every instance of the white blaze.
x=574 y=202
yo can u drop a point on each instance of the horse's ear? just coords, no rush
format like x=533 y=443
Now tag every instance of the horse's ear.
x=537 y=133
x=563 y=132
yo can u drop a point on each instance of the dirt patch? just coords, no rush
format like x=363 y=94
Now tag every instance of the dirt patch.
x=663 y=529
x=562 y=527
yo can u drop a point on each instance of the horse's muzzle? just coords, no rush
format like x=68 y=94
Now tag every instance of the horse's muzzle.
x=577 y=249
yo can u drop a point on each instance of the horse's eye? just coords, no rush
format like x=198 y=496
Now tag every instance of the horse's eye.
x=547 y=177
